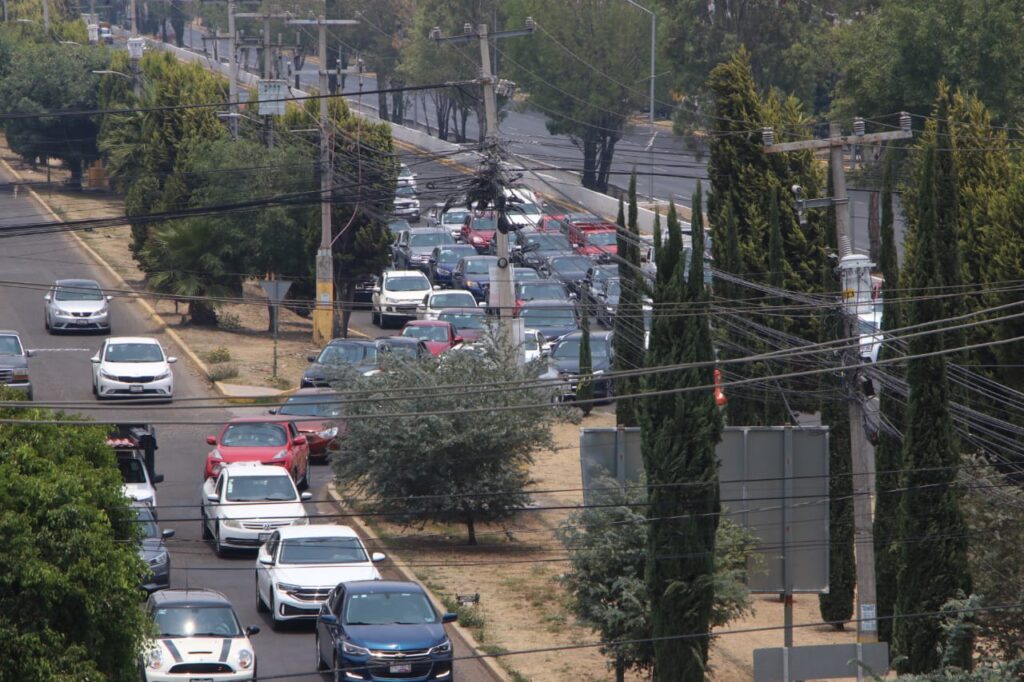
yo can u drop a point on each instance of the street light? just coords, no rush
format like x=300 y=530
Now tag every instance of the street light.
x=654 y=32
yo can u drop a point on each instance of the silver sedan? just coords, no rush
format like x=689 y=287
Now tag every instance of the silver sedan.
x=76 y=305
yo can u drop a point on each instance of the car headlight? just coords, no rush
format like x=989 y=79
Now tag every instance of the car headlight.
x=470 y=283
x=154 y=659
x=476 y=240
x=215 y=454
x=163 y=375
x=597 y=371
x=288 y=587
x=107 y=375
x=281 y=454
x=329 y=433
x=20 y=374
x=245 y=659
x=231 y=523
x=443 y=271
x=444 y=647
x=353 y=650
x=301 y=521
x=159 y=560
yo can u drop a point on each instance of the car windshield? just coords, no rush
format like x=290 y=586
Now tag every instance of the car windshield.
x=426 y=332
x=532 y=291
x=548 y=242
x=389 y=608
x=464 y=320
x=134 y=352
x=614 y=289
x=402 y=350
x=569 y=349
x=132 y=470
x=397 y=226
x=483 y=224
x=571 y=263
x=527 y=208
x=311 y=406
x=429 y=238
x=480 y=266
x=454 y=299
x=196 y=621
x=10 y=345
x=452 y=256
x=78 y=292
x=601 y=239
x=254 y=435
x=260 y=489
x=146 y=522
x=531 y=343
x=454 y=217
x=347 y=354
x=406 y=192
x=548 y=317
x=523 y=274
x=406 y=284
x=322 y=550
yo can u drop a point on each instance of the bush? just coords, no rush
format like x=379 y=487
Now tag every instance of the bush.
x=222 y=372
x=217 y=355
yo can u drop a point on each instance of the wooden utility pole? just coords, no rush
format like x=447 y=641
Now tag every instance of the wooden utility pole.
x=862 y=453
x=323 y=313
x=267 y=72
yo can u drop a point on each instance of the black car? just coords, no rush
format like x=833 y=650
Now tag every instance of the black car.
x=569 y=270
x=338 y=356
x=564 y=363
x=153 y=551
x=402 y=347
x=383 y=630
x=551 y=318
x=534 y=248
x=412 y=252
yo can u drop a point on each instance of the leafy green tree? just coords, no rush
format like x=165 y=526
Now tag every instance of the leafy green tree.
x=580 y=69
x=47 y=78
x=450 y=463
x=680 y=432
x=628 y=322
x=69 y=572
x=933 y=565
x=607 y=545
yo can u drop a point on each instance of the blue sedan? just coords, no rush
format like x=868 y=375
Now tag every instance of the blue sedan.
x=383 y=630
x=443 y=261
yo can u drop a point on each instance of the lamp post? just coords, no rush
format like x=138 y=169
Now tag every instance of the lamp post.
x=654 y=33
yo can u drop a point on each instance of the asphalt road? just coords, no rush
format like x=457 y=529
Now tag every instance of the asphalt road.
x=61 y=371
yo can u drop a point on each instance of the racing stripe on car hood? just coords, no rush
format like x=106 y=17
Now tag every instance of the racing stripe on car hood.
x=173 y=649
x=225 y=649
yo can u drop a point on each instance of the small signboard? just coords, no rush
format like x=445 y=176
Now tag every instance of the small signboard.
x=136 y=46
x=275 y=289
x=822 y=662
x=272 y=94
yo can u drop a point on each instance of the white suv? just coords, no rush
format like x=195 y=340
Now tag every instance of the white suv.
x=247 y=502
x=300 y=565
x=397 y=295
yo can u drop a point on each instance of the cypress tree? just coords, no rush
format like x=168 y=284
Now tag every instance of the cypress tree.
x=837 y=605
x=628 y=322
x=680 y=431
x=776 y=251
x=932 y=547
x=889 y=449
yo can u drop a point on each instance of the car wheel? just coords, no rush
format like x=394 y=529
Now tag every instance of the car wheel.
x=46 y=322
x=217 y=546
x=255 y=675
x=304 y=483
x=261 y=606
x=335 y=668
x=275 y=624
x=207 y=535
x=29 y=394
x=319 y=667
x=375 y=317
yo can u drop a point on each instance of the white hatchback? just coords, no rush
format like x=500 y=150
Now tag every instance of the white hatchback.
x=436 y=301
x=132 y=366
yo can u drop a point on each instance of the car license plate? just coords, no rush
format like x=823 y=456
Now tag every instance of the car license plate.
x=81 y=323
x=200 y=679
x=135 y=388
x=264 y=537
x=401 y=668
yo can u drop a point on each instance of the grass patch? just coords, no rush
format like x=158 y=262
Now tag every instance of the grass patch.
x=229 y=322
x=217 y=356
x=222 y=372
x=280 y=383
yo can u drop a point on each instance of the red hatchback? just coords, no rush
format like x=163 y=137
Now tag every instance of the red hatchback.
x=256 y=439
x=478 y=230
x=600 y=245
x=437 y=334
x=318 y=414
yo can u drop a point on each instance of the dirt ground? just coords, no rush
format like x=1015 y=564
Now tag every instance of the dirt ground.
x=515 y=568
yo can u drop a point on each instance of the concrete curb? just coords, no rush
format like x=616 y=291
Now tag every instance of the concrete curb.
x=488 y=661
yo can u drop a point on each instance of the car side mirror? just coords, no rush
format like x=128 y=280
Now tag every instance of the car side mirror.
x=449 y=617
x=171 y=360
x=167 y=534
x=46 y=297
x=158 y=478
x=311 y=358
x=95 y=358
x=328 y=619
x=272 y=410
x=306 y=497
x=252 y=630
x=110 y=298
x=437 y=287
x=376 y=290
x=267 y=560
x=482 y=304
x=457 y=339
x=211 y=440
x=300 y=440
x=378 y=557
x=29 y=353
x=572 y=295
x=213 y=497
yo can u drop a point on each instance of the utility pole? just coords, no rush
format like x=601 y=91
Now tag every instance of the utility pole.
x=267 y=72
x=136 y=47
x=654 y=34
x=862 y=454
x=135 y=15
x=46 y=16
x=505 y=302
x=323 y=313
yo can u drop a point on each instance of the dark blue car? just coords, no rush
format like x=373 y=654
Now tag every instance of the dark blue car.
x=443 y=261
x=382 y=630
x=474 y=275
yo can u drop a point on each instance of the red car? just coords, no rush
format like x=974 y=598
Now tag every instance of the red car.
x=256 y=439
x=437 y=334
x=478 y=230
x=318 y=415
x=596 y=244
